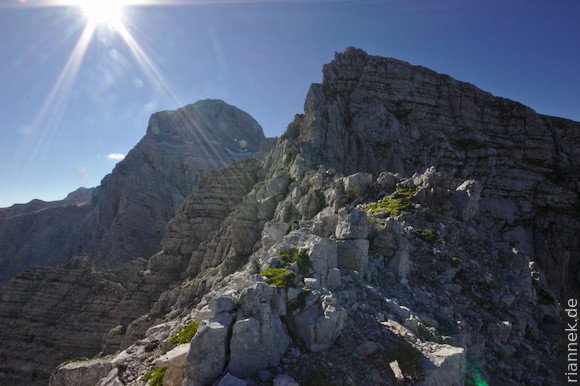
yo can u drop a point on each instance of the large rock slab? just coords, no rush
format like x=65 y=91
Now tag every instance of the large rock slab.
x=259 y=339
x=206 y=360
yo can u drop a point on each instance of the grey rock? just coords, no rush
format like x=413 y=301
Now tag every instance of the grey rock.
x=319 y=323
x=387 y=181
x=259 y=338
x=444 y=365
x=357 y=184
x=175 y=361
x=353 y=255
x=265 y=375
x=501 y=330
x=221 y=304
x=273 y=233
x=353 y=225
x=366 y=348
x=206 y=360
x=466 y=200
x=88 y=372
x=285 y=380
x=33 y=302
x=230 y=380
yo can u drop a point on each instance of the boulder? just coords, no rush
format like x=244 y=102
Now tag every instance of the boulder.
x=353 y=255
x=319 y=323
x=357 y=184
x=466 y=200
x=230 y=380
x=285 y=380
x=352 y=225
x=259 y=339
x=273 y=233
x=206 y=360
x=443 y=365
x=88 y=372
x=175 y=361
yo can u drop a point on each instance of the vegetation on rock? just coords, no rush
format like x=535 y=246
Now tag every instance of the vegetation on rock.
x=294 y=255
x=393 y=204
x=186 y=334
x=427 y=235
x=155 y=376
x=279 y=277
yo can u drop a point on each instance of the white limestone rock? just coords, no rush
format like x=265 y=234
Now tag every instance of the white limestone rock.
x=259 y=338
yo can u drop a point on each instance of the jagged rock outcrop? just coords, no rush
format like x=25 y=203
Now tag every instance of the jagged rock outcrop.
x=373 y=114
x=127 y=215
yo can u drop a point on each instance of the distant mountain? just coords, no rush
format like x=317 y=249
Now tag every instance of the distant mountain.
x=124 y=218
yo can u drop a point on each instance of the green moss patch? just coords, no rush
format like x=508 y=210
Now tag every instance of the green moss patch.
x=393 y=204
x=279 y=277
x=294 y=255
x=186 y=334
x=427 y=235
x=155 y=376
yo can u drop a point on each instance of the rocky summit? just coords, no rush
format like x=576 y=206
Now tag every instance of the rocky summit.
x=408 y=229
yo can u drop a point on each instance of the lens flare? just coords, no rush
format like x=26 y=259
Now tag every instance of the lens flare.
x=108 y=12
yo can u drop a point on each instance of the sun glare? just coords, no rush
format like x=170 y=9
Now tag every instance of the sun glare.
x=108 y=12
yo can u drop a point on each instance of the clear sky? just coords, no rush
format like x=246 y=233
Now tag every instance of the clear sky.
x=77 y=89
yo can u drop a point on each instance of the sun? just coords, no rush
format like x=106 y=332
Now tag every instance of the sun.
x=108 y=12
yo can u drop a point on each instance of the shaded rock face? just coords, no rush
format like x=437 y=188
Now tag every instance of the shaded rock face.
x=49 y=313
x=128 y=213
x=38 y=235
x=373 y=114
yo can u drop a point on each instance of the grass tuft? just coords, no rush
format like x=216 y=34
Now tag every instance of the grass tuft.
x=393 y=204
x=186 y=334
x=279 y=277
x=294 y=255
x=155 y=376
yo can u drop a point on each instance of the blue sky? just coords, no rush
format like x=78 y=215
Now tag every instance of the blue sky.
x=67 y=112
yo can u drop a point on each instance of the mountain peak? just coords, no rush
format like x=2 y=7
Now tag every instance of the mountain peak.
x=208 y=122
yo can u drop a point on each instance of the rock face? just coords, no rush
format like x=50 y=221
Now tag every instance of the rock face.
x=49 y=313
x=373 y=114
x=129 y=210
x=135 y=202
x=38 y=233
x=403 y=230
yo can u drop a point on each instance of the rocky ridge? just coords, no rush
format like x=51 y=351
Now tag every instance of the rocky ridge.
x=417 y=261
